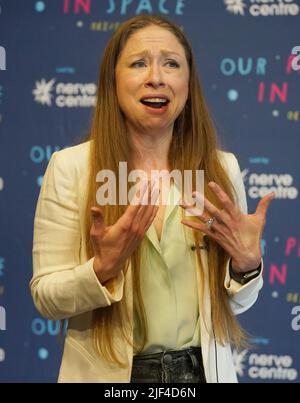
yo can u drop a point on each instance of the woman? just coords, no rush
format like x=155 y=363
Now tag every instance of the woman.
x=147 y=298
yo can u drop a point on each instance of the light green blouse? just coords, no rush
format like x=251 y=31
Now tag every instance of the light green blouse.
x=169 y=283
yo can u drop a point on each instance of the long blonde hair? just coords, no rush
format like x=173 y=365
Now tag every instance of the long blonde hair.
x=193 y=147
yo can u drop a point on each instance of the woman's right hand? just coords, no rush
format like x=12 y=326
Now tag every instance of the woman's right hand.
x=114 y=244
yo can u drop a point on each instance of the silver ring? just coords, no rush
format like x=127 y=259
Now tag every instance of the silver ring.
x=210 y=222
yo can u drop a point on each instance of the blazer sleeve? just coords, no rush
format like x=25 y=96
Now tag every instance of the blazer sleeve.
x=62 y=286
x=242 y=297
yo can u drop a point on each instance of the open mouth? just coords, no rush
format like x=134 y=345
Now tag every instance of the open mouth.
x=156 y=103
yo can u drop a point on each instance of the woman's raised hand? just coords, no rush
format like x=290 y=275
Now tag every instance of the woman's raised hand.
x=237 y=233
x=114 y=244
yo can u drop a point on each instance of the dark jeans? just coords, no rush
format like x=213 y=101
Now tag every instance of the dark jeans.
x=180 y=366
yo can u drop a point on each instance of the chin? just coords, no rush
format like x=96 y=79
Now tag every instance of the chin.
x=155 y=126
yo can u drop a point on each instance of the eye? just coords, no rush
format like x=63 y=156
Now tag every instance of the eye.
x=172 y=63
x=138 y=63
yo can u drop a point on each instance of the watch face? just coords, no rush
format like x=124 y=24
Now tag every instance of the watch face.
x=252 y=273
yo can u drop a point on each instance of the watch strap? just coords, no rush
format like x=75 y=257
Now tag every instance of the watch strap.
x=244 y=278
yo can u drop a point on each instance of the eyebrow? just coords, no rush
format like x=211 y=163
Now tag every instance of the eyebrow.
x=146 y=52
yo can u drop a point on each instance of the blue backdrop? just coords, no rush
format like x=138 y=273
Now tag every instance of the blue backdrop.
x=49 y=56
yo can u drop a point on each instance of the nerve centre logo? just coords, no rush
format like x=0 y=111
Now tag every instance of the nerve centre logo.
x=260 y=184
x=263 y=8
x=64 y=95
x=265 y=367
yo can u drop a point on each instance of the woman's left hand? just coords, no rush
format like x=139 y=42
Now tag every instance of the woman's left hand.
x=237 y=233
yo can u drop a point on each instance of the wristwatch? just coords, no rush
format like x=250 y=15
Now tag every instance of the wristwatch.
x=244 y=278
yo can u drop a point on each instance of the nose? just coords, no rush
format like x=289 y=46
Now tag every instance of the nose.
x=155 y=78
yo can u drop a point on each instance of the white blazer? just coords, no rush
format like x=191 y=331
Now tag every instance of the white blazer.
x=64 y=285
